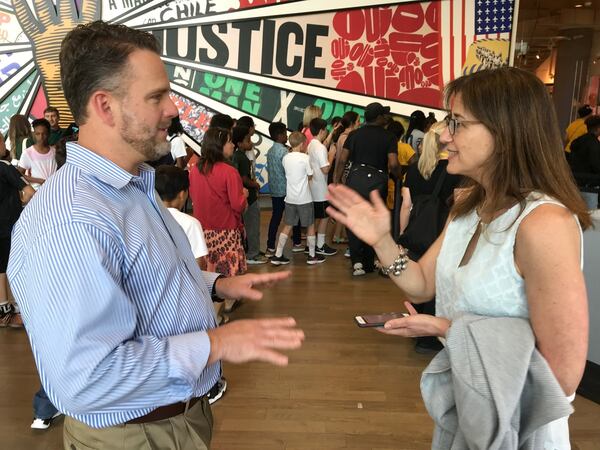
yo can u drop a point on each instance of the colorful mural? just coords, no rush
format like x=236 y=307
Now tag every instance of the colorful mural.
x=267 y=58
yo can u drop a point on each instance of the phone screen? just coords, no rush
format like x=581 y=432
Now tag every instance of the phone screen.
x=377 y=320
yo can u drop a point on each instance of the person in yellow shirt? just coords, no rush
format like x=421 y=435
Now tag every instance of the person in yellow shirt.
x=577 y=128
x=406 y=156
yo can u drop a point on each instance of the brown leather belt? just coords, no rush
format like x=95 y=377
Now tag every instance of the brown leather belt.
x=166 y=412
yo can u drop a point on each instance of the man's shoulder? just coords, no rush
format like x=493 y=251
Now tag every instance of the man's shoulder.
x=62 y=201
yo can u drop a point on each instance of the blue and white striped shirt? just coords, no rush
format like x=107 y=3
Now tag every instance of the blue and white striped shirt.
x=114 y=303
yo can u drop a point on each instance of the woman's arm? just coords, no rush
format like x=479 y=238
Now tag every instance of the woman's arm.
x=405 y=208
x=547 y=254
x=370 y=222
x=235 y=191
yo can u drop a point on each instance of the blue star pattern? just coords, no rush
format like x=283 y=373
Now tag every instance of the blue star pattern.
x=493 y=16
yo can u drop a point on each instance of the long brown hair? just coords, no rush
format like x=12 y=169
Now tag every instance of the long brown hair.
x=19 y=128
x=528 y=154
x=212 y=148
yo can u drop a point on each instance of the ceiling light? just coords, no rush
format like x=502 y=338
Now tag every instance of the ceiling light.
x=578 y=5
x=537 y=56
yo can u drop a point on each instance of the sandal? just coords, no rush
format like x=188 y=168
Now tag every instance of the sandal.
x=235 y=305
x=222 y=320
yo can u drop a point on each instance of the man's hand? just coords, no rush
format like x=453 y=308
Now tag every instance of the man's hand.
x=254 y=340
x=46 y=33
x=242 y=287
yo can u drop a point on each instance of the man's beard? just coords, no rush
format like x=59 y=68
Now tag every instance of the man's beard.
x=142 y=138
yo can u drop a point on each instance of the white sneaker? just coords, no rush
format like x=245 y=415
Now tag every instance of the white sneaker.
x=357 y=269
x=43 y=424
x=217 y=391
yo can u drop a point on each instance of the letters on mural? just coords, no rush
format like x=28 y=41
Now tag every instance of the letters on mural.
x=259 y=100
x=389 y=52
x=180 y=9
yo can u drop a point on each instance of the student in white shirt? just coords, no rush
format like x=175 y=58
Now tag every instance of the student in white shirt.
x=298 y=200
x=38 y=162
x=172 y=185
x=178 y=148
x=320 y=162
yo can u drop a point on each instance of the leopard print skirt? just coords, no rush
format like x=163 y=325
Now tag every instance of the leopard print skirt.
x=225 y=252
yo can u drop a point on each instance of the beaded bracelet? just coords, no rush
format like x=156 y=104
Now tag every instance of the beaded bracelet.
x=399 y=265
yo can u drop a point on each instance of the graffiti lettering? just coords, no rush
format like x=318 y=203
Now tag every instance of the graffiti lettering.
x=213 y=46
x=332 y=109
x=255 y=3
x=190 y=9
x=133 y=3
x=182 y=76
x=285 y=99
x=237 y=93
x=263 y=101
x=388 y=51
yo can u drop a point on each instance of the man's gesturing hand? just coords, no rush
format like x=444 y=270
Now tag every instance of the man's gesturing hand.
x=243 y=287
x=254 y=340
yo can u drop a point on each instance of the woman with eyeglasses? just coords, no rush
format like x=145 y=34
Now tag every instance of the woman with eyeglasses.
x=423 y=178
x=219 y=199
x=511 y=248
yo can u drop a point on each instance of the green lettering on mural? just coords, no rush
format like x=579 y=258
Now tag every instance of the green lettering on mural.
x=233 y=86
x=232 y=91
x=214 y=81
x=334 y=109
x=253 y=92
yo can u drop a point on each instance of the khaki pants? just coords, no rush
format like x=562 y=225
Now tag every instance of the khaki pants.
x=189 y=431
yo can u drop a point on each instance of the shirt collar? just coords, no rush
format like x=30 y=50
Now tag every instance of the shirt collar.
x=107 y=171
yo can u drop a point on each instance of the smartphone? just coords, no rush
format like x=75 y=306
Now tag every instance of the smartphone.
x=377 y=320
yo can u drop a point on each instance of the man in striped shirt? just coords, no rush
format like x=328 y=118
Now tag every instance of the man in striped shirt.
x=118 y=313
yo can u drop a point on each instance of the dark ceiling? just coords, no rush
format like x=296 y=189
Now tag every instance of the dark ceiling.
x=540 y=23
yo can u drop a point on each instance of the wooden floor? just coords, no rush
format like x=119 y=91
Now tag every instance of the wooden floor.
x=347 y=388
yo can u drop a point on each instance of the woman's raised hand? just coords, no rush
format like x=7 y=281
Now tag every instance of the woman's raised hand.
x=369 y=221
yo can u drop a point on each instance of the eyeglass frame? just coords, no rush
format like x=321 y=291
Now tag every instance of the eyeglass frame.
x=452 y=123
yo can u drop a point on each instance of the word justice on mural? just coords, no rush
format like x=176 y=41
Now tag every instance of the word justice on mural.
x=216 y=46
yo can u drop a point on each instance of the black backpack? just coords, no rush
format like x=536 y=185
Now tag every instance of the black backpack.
x=427 y=219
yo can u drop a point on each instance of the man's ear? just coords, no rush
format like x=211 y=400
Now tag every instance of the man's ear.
x=103 y=105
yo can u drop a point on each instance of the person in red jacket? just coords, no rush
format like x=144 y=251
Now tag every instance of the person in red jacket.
x=218 y=200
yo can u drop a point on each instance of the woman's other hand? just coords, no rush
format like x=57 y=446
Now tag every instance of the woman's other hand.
x=416 y=325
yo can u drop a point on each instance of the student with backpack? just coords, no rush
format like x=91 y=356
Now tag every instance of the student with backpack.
x=178 y=148
x=243 y=144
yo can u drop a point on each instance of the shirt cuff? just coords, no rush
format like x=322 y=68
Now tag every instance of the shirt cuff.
x=188 y=354
x=210 y=278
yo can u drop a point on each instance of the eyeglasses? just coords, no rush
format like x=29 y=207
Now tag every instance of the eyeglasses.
x=453 y=123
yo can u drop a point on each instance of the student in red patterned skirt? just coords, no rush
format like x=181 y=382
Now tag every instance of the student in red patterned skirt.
x=219 y=199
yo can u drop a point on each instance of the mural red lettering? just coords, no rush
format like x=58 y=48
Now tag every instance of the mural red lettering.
x=255 y=3
x=389 y=52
